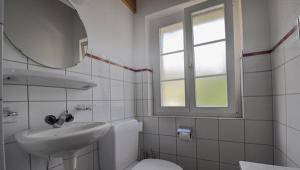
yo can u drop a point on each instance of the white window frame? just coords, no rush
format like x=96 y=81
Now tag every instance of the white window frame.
x=233 y=68
x=228 y=15
x=155 y=52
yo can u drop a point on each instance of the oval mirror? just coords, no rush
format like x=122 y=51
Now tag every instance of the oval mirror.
x=50 y=32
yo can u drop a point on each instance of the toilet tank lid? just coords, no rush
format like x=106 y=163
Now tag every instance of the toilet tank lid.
x=151 y=164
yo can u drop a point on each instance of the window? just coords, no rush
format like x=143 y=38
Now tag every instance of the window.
x=196 y=73
x=172 y=85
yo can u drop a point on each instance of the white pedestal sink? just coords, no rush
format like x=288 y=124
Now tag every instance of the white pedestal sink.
x=62 y=142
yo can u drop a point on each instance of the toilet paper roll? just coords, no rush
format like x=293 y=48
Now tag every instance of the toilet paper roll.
x=184 y=133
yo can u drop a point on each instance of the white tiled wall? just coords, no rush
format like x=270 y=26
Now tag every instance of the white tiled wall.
x=286 y=82
x=113 y=99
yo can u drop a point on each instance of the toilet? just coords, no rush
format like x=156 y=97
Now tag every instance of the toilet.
x=119 y=150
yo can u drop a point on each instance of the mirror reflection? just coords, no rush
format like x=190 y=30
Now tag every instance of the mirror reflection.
x=50 y=32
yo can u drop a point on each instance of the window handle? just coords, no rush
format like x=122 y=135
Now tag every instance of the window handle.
x=190 y=63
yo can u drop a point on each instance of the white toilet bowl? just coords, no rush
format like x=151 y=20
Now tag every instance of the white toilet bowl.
x=155 y=164
x=119 y=150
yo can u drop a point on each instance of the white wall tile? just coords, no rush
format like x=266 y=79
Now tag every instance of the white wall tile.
x=80 y=116
x=207 y=128
x=129 y=76
x=231 y=152
x=278 y=57
x=293 y=107
x=231 y=130
x=129 y=91
x=116 y=72
x=116 y=90
x=147 y=107
x=167 y=157
x=139 y=77
x=292 y=46
x=293 y=149
x=147 y=77
x=167 y=144
x=139 y=108
x=280 y=137
x=100 y=68
x=257 y=84
x=101 y=111
x=278 y=80
x=167 y=126
x=187 y=163
x=279 y=109
x=151 y=125
x=46 y=69
x=83 y=67
x=21 y=120
x=258 y=108
x=279 y=158
x=259 y=132
x=139 y=91
x=38 y=111
x=102 y=91
x=257 y=63
x=186 y=148
x=292 y=71
x=73 y=94
x=117 y=110
x=151 y=142
x=129 y=108
x=14 y=93
x=207 y=165
x=37 y=93
x=208 y=150
x=259 y=153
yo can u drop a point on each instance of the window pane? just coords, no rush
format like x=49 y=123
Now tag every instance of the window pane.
x=172 y=66
x=171 y=38
x=210 y=59
x=173 y=94
x=211 y=92
x=208 y=26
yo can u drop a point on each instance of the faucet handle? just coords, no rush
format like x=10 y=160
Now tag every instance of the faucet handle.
x=69 y=118
x=50 y=119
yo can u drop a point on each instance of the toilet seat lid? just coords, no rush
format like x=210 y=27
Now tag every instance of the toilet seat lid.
x=157 y=164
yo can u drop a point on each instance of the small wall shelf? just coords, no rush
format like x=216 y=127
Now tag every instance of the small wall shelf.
x=39 y=78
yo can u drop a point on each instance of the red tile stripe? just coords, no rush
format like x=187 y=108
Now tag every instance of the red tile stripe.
x=275 y=46
x=244 y=55
x=116 y=64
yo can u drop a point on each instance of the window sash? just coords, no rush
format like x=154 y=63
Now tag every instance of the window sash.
x=229 y=56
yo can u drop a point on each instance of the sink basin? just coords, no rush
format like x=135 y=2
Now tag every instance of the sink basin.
x=62 y=142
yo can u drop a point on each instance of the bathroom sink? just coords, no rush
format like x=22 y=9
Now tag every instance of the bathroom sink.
x=62 y=142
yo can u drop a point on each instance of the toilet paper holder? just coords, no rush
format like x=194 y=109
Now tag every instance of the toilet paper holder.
x=184 y=133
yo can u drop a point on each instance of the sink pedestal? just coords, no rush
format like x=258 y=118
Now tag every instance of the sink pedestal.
x=70 y=163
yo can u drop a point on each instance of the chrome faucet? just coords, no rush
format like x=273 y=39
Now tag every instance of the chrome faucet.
x=58 y=122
